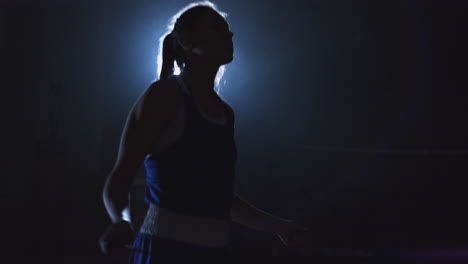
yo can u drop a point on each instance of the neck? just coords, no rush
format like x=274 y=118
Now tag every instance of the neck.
x=201 y=78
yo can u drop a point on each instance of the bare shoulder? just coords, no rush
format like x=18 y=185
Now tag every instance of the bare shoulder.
x=160 y=96
x=229 y=108
x=159 y=89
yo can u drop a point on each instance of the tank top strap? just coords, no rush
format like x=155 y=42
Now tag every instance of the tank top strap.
x=182 y=85
x=186 y=95
x=191 y=108
x=189 y=104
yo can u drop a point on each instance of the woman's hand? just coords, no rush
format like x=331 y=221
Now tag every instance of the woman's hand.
x=117 y=240
x=293 y=234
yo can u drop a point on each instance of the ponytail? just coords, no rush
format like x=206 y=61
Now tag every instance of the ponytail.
x=184 y=22
x=167 y=57
x=171 y=52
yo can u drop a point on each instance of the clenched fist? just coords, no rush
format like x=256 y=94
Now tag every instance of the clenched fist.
x=117 y=240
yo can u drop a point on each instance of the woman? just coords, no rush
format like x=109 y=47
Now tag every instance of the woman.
x=184 y=133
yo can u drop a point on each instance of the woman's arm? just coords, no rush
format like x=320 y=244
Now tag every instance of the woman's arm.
x=246 y=214
x=144 y=124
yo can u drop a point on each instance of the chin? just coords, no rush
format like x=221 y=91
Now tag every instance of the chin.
x=228 y=59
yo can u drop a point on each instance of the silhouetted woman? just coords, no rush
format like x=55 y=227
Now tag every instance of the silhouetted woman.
x=183 y=132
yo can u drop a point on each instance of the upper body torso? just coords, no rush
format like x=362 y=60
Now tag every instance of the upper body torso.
x=211 y=108
x=190 y=168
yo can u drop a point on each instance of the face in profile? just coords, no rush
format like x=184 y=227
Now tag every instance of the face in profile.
x=215 y=39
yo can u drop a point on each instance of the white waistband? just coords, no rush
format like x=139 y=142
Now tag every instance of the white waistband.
x=187 y=228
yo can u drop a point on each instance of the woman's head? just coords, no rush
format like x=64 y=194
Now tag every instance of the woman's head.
x=197 y=33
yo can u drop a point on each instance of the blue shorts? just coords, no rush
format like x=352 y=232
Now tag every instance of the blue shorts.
x=149 y=249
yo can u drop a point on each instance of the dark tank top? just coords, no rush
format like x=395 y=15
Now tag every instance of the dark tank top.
x=195 y=176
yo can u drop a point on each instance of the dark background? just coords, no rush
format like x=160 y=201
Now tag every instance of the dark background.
x=350 y=116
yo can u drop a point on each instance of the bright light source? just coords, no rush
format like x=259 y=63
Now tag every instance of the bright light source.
x=126 y=214
x=176 y=69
